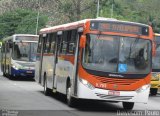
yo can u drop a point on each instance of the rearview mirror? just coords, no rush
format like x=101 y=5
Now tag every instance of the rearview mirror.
x=82 y=41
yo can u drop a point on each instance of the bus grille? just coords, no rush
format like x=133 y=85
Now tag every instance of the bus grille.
x=117 y=81
x=112 y=97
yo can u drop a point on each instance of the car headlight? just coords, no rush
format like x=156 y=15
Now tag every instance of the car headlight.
x=143 y=88
x=86 y=83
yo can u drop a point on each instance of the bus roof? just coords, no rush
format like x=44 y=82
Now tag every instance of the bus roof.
x=81 y=23
x=11 y=37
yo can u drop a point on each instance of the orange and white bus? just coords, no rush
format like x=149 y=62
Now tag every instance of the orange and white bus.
x=96 y=59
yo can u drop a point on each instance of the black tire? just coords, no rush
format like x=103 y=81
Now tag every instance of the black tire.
x=8 y=75
x=3 y=70
x=12 y=78
x=4 y=74
x=128 y=105
x=47 y=91
x=153 y=91
x=71 y=102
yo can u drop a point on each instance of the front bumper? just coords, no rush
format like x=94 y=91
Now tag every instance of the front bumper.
x=22 y=72
x=102 y=94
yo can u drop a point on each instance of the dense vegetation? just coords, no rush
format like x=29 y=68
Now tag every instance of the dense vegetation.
x=20 y=21
x=20 y=16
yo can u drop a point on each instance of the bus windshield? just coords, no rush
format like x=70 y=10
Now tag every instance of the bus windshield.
x=24 y=51
x=156 y=58
x=117 y=54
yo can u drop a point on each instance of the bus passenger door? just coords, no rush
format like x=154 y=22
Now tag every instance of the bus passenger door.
x=3 y=54
x=39 y=57
x=7 y=57
x=55 y=60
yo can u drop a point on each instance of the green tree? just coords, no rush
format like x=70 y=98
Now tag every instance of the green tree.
x=73 y=10
x=20 y=21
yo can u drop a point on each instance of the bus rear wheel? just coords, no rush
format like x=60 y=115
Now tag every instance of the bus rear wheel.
x=153 y=91
x=128 y=105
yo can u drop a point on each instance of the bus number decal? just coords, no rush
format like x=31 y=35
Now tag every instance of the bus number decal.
x=101 y=85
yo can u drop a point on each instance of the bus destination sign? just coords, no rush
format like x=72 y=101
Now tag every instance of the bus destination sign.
x=119 y=27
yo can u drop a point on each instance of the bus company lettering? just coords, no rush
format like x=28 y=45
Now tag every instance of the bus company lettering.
x=115 y=75
x=101 y=85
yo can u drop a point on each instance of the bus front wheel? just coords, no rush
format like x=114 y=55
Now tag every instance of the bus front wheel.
x=70 y=100
x=153 y=91
x=128 y=105
x=47 y=91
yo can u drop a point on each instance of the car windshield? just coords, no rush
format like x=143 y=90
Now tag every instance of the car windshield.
x=156 y=58
x=25 y=51
x=117 y=54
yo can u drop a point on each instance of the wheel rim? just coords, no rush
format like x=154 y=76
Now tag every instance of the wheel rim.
x=45 y=85
x=68 y=93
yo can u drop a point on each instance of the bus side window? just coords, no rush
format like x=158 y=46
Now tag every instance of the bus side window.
x=63 y=43
x=46 y=44
x=3 y=48
x=71 y=42
x=68 y=43
x=2 y=51
x=7 y=47
x=39 y=44
x=52 y=43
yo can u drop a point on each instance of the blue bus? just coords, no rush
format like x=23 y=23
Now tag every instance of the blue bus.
x=18 y=55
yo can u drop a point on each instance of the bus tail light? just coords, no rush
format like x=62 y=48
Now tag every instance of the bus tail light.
x=86 y=83
x=143 y=88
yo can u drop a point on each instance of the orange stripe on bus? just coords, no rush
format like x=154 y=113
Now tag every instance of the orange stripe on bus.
x=67 y=58
x=110 y=83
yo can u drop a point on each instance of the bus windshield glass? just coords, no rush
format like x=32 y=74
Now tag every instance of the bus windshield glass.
x=25 y=51
x=156 y=58
x=117 y=54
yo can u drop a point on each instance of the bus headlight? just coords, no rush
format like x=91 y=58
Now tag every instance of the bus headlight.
x=15 y=67
x=86 y=83
x=143 y=88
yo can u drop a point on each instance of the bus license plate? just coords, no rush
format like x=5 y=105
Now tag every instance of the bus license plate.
x=29 y=71
x=116 y=93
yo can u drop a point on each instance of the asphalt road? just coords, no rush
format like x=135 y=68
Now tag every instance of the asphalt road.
x=25 y=98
